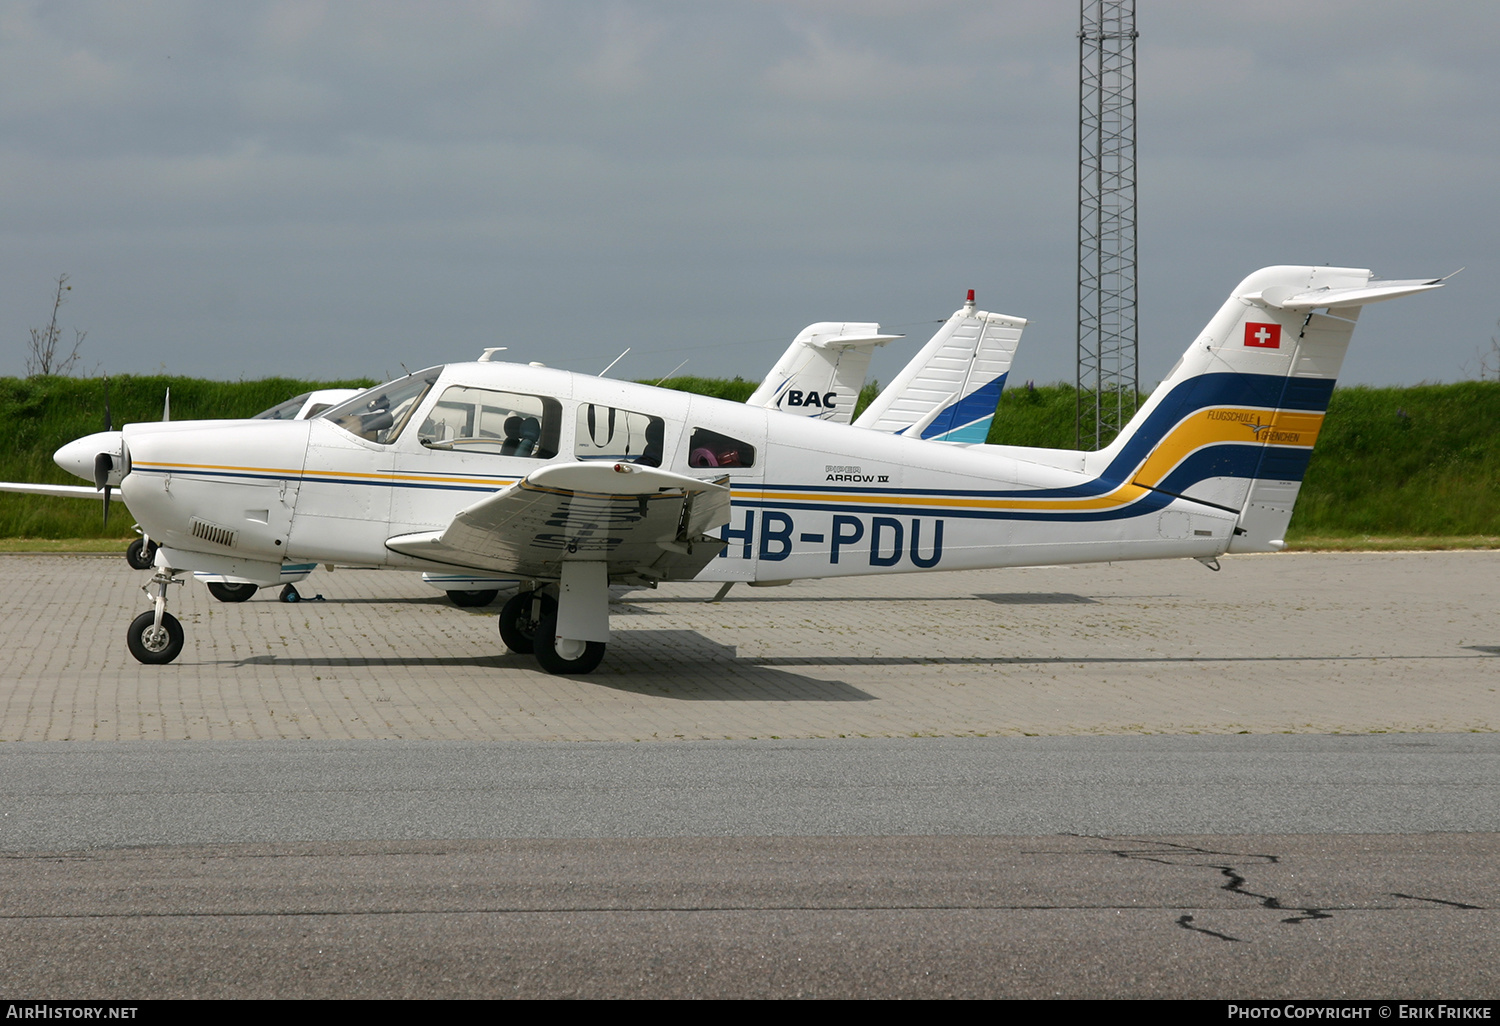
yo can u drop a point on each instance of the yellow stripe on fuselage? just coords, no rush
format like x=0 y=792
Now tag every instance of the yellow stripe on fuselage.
x=1227 y=424
x=1122 y=495
x=334 y=475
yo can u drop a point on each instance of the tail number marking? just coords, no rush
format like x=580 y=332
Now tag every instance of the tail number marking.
x=879 y=541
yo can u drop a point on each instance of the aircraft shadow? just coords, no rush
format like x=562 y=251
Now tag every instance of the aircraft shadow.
x=686 y=665
x=672 y=664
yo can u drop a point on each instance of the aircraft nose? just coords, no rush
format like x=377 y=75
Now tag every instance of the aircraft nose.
x=80 y=456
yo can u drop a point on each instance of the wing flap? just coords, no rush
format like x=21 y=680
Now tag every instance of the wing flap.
x=641 y=521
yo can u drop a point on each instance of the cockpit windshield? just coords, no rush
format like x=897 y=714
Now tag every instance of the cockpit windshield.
x=378 y=414
x=284 y=411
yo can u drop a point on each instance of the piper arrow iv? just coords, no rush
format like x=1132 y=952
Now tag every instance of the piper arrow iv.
x=571 y=483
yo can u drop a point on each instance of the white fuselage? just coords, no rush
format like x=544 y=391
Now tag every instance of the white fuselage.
x=816 y=500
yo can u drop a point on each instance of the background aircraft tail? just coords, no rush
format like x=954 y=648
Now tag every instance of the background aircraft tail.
x=822 y=371
x=1233 y=424
x=948 y=392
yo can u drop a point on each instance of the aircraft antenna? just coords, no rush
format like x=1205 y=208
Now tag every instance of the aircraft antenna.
x=613 y=362
x=674 y=370
x=1108 y=341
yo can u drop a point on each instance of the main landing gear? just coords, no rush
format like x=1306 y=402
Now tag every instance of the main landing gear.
x=156 y=636
x=529 y=621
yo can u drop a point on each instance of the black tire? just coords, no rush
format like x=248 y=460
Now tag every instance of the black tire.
x=226 y=591
x=470 y=599
x=546 y=652
x=141 y=555
x=149 y=645
x=517 y=623
x=289 y=593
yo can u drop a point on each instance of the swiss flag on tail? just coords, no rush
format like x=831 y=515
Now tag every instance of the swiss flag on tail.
x=1263 y=336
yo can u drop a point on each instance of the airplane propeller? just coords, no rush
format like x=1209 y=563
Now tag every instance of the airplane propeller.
x=104 y=465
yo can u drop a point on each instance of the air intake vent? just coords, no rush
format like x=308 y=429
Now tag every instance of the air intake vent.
x=213 y=533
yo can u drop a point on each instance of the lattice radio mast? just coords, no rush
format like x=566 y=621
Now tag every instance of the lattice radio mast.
x=1108 y=385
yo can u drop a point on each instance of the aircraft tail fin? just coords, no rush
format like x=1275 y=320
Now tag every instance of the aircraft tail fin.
x=1233 y=424
x=948 y=392
x=822 y=371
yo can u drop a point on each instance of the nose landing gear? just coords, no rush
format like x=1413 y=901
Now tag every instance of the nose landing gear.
x=156 y=636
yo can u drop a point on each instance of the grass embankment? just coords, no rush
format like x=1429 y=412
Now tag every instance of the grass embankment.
x=1395 y=468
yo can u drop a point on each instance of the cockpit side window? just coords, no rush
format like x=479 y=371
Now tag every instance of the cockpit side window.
x=624 y=436
x=379 y=414
x=710 y=449
x=501 y=423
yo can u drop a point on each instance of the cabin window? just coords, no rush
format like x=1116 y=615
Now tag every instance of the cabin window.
x=379 y=414
x=710 y=449
x=624 y=436
x=501 y=423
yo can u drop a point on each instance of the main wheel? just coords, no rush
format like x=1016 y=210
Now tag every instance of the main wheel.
x=152 y=644
x=227 y=591
x=474 y=598
x=141 y=555
x=567 y=656
x=518 y=623
x=289 y=593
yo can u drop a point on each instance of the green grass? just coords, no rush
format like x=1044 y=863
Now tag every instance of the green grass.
x=1415 y=461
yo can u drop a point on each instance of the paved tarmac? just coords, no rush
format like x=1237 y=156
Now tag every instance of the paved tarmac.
x=1282 y=780
x=1318 y=643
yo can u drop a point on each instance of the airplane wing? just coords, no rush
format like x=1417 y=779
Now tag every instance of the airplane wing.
x=69 y=491
x=643 y=522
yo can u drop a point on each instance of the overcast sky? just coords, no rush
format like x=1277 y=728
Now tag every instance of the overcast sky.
x=334 y=189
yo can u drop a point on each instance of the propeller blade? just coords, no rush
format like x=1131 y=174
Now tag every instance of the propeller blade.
x=108 y=421
x=166 y=407
x=104 y=463
x=107 y=490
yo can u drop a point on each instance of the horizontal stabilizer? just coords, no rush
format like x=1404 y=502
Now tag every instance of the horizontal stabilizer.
x=1290 y=297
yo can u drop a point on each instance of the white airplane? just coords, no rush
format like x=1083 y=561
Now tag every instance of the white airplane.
x=946 y=393
x=571 y=483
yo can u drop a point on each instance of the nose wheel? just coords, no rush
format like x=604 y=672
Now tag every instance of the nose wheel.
x=151 y=642
x=156 y=636
x=231 y=591
x=141 y=555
